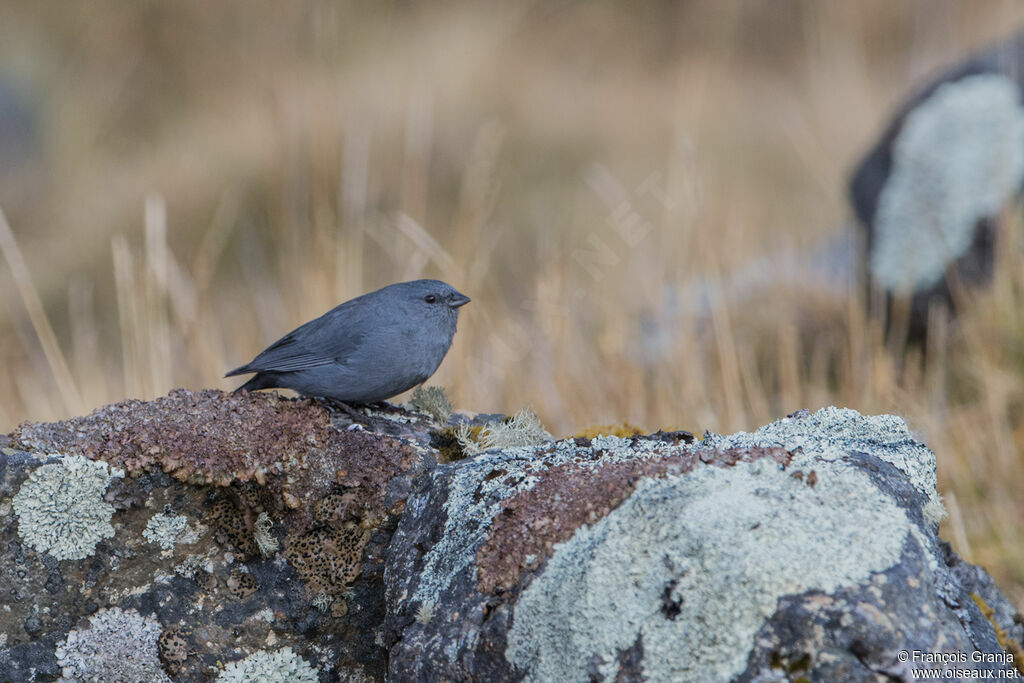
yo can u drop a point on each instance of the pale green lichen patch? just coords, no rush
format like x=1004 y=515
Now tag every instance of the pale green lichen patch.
x=693 y=564
x=164 y=529
x=61 y=510
x=834 y=432
x=119 y=645
x=279 y=666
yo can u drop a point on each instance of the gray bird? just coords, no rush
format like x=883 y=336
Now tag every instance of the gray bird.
x=367 y=349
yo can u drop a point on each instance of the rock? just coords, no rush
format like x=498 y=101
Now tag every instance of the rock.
x=807 y=549
x=930 y=191
x=203 y=529
x=246 y=537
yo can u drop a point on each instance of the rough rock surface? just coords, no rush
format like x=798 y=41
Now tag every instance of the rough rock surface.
x=804 y=551
x=930 y=191
x=229 y=525
x=250 y=537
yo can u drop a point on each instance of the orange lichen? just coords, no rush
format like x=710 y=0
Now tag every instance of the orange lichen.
x=624 y=430
x=1005 y=640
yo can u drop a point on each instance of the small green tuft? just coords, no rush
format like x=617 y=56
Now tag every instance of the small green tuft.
x=433 y=401
x=522 y=429
x=467 y=440
x=447 y=440
x=935 y=511
x=265 y=541
x=322 y=601
x=425 y=612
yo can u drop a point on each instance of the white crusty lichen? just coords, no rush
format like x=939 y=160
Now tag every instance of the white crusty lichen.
x=831 y=432
x=164 y=529
x=60 y=507
x=279 y=666
x=958 y=158
x=118 y=645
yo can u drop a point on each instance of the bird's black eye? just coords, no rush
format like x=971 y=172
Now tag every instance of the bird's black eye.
x=430 y=299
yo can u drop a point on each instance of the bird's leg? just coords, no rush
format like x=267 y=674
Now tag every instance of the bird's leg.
x=348 y=410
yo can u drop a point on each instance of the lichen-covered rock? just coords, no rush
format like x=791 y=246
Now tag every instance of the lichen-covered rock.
x=808 y=549
x=286 y=448
x=213 y=527
x=258 y=538
x=930 y=191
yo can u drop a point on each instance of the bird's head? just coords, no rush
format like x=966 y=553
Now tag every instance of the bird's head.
x=434 y=298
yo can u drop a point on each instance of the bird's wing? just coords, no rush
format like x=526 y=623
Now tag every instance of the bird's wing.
x=331 y=338
x=287 y=354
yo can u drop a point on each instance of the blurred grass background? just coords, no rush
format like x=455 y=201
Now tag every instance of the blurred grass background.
x=187 y=181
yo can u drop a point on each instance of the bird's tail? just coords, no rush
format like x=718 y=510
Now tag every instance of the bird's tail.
x=240 y=370
x=257 y=382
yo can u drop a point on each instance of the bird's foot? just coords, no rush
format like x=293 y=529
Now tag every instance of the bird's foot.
x=354 y=414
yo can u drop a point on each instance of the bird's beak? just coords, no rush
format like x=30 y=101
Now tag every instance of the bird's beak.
x=459 y=300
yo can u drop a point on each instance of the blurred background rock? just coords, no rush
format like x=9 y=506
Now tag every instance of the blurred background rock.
x=933 y=193
x=646 y=201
